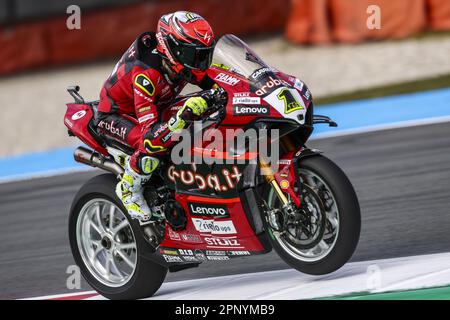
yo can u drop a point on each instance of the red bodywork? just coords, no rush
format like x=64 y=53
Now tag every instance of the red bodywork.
x=205 y=237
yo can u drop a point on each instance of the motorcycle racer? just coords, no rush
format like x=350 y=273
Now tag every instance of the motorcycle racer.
x=304 y=207
x=150 y=74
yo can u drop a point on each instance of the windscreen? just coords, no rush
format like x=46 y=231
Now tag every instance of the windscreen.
x=233 y=55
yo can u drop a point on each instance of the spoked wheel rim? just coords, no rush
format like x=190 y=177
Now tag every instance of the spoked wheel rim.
x=106 y=242
x=322 y=198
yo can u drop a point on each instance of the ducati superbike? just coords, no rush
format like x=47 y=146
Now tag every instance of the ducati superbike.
x=305 y=209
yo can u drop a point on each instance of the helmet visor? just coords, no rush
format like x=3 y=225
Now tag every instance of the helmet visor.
x=191 y=55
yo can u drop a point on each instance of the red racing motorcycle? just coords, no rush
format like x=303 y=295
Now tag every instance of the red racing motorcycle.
x=221 y=203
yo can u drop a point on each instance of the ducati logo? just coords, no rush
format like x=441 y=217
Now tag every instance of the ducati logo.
x=79 y=115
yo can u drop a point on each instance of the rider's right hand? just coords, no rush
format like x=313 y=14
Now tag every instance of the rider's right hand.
x=194 y=106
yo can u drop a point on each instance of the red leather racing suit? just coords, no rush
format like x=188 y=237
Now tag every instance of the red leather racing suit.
x=132 y=97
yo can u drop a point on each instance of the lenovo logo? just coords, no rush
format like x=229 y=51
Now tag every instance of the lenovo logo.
x=247 y=110
x=196 y=209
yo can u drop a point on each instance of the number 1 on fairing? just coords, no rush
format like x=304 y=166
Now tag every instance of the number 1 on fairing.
x=290 y=103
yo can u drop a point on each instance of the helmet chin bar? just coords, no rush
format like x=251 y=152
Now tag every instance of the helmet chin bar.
x=169 y=70
x=184 y=73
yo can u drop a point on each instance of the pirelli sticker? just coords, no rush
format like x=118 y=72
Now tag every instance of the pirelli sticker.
x=145 y=84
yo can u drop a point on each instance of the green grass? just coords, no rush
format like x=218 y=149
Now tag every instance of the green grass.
x=439 y=293
x=389 y=90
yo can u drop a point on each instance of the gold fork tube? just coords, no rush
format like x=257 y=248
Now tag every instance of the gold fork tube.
x=270 y=178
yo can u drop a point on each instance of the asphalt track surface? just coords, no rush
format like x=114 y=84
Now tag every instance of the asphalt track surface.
x=401 y=176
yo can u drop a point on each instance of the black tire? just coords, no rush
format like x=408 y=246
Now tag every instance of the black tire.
x=349 y=219
x=148 y=276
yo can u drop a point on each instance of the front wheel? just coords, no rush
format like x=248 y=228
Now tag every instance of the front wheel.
x=106 y=245
x=326 y=229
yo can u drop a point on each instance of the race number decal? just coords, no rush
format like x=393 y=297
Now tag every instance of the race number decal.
x=145 y=84
x=290 y=103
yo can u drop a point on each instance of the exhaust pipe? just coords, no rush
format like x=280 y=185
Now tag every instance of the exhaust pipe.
x=96 y=160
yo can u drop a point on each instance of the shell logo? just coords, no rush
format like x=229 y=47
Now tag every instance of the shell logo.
x=284 y=184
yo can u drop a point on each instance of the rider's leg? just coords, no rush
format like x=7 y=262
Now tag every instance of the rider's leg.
x=139 y=166
x=138 y=171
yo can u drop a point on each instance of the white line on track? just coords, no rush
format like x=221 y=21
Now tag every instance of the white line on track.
x=404 y=273
x=63 y=296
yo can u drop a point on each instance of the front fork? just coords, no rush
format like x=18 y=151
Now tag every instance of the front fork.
x=283 y=181
x=269 y=175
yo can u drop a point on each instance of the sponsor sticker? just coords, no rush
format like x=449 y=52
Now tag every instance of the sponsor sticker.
x=258 y=73
x=160 y=130
x=145 y=84
x=188 y=177
x=186 y=252
x=217 y=242
x=67 y=121
x=174 y=235
x=250 y=110
x=169 y=252
x=200 y=255
x=284 y=184
x=143 y=109
x=270 y=84
x=140 y=94
x=191 y=238
x=208 y=210
x=214 y=227
x=167 y=137
x=190 y=259
x=307 y=95
x=241 y=94
x=218 y=258
x=109 y=126
x=287 y=102
x=246 y=100
x=239 y=253
x=78 y=115
x=172 y=258
x=146 y=117
x=190 y=17
x=215 y=253
x=227 y=79
x=284 y=162
x=298 y=84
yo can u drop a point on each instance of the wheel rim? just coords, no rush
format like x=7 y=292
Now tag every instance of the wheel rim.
x=330 y=236
x=106 y=242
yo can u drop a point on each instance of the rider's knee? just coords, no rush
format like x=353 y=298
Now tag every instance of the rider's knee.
x=144 y=164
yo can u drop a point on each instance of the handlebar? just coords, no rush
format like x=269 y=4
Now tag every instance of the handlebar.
x=215 y=98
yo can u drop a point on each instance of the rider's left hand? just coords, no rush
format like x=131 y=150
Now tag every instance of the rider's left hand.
x=195 y=105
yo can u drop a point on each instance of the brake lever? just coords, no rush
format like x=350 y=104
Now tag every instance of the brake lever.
x=217 y=98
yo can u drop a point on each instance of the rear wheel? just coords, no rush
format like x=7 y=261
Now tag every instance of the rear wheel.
x=322 y=235
x=107 y=246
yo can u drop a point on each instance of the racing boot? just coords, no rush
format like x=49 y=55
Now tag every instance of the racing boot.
x=131 y=193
